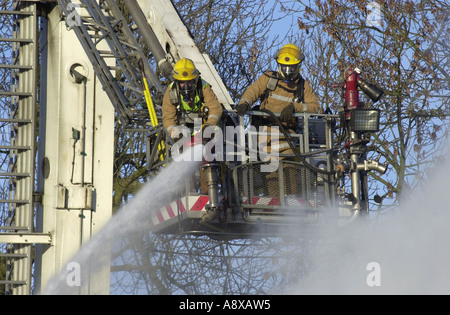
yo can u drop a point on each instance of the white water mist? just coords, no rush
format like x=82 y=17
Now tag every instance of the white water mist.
x=133 y=218
x=406 y=253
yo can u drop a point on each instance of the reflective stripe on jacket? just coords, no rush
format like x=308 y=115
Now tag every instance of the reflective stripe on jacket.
x=283 y=95
x=169 y=110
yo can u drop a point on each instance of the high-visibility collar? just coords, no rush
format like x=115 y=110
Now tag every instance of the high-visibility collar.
x=196 y=103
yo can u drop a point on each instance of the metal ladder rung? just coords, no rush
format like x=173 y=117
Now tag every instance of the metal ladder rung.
x=10 y=174
x=22 y=94
x=25 y=238
x=16 y=40
x=15 y=147
x=15 y=12
x=13 y=228
x=128 y=45
x=16 y=201
x=105 y=53
x=128 y=86
x=94 y=27
x=106 y=7
x=13 y=282
x=9 y=255
x=16 y=120
x=16 y=67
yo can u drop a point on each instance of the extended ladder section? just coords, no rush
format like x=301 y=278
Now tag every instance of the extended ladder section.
x=17 y=149
x=97 y=21
x=154 y=37
x=161 y=20
x=161 y=32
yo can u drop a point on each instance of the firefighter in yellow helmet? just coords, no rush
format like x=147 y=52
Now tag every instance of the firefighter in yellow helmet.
x=285 y=92
x=187 y=98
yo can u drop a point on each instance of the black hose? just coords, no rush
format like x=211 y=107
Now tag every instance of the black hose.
x=292 y=146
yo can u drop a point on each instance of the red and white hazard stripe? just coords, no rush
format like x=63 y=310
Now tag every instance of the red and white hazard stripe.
x=183 y=205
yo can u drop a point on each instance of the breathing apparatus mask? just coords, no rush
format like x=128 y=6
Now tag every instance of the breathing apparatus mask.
x=289 y=73
x=187 y=90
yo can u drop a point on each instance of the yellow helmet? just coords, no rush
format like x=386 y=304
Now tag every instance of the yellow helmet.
x=289 y=54
x=184 y=70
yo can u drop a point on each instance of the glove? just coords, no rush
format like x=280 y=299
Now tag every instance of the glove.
x=175 y=133
x=178 y=132
x=242 y=108
x=286 y=113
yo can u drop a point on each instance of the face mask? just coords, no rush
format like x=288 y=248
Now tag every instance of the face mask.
x=289 y=72
x=186 y=90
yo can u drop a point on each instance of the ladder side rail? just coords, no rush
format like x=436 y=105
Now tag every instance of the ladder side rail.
x=100 y=67
x=21 y=107
x=168 y=26
x=116 y=46
x=26 y=82
x=107 y=20
x=136 y=51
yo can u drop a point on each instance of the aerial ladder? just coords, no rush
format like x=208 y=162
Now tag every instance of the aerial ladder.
x=94 y=22
x=18 y=122
x=165 y=35
x=134 y=79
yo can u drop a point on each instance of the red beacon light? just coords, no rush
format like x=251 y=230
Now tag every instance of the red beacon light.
x=361 y=119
